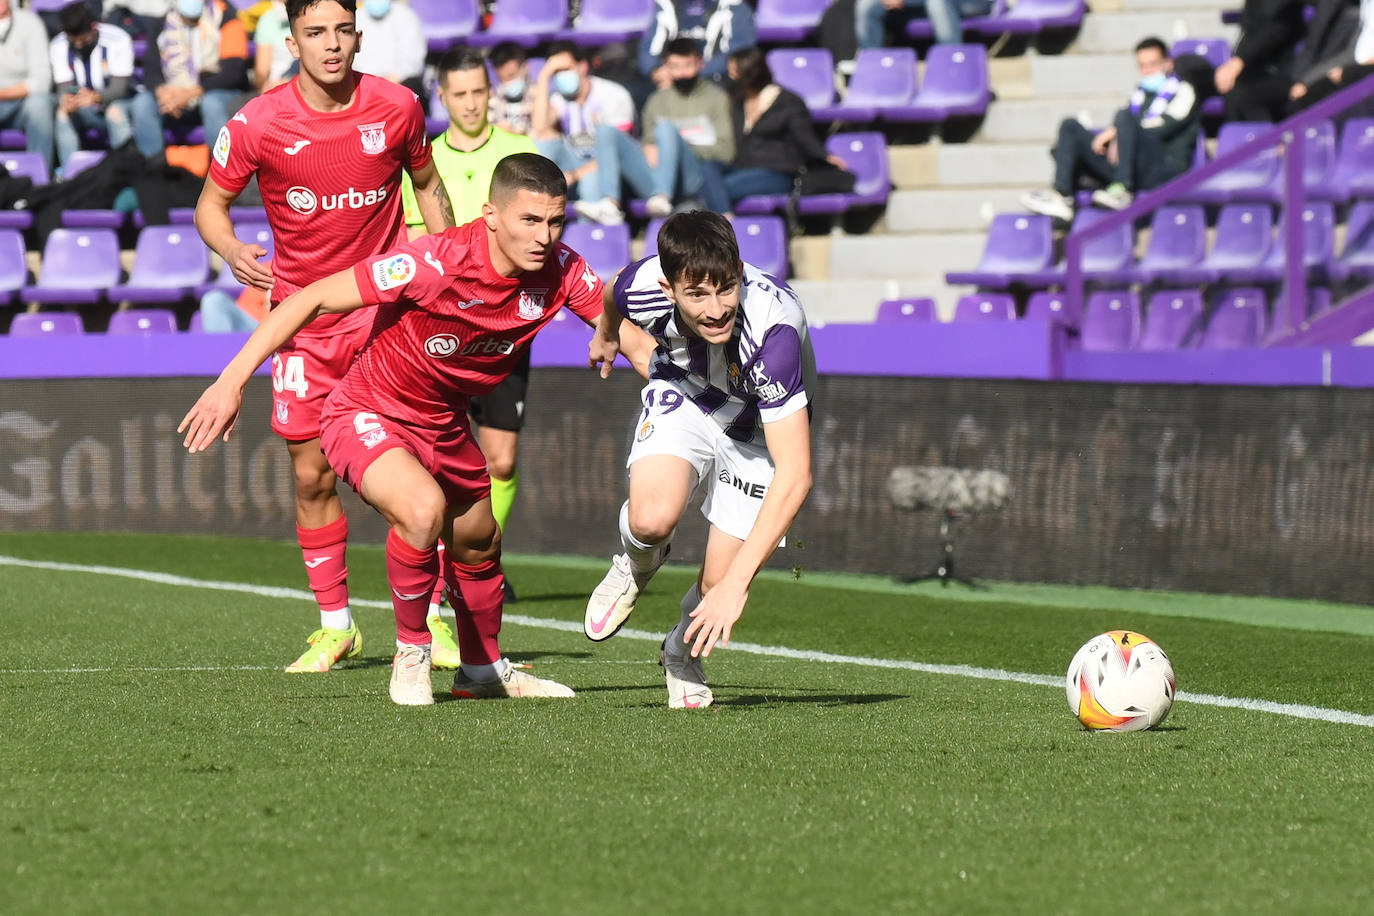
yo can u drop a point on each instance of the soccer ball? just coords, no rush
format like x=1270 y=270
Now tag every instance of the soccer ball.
x=1120 y=681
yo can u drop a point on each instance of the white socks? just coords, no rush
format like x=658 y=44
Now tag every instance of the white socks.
x=341 y=619
x=644 y=558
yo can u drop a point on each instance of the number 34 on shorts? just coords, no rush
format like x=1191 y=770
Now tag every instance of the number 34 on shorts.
x=289 y=375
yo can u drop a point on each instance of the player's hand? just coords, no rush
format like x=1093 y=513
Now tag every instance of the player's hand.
x=214 y=414
x=601 y=354
x=248 y=270
x=715 y=617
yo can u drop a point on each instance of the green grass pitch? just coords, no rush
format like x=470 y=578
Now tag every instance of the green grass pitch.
x=154 y=758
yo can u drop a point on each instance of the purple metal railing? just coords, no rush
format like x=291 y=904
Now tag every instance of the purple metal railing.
x=1289 y=134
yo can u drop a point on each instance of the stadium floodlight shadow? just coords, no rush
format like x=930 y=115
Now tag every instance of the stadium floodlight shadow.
x=954 y=493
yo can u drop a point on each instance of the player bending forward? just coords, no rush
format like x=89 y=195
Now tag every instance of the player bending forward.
x=455 y=310
x=727 y=404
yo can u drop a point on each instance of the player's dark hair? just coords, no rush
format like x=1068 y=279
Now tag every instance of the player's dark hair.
x=295 y=9
x=1155 y=43
x=558 y=47
x=682 y=47
x=507 y=51
x=75 y=18
x=459 y=59
x=697 y=246
x=752 y=72
x=527 y=172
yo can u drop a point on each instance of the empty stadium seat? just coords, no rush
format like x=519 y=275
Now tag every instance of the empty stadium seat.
x=1357 y=256
x=784 y=21
x=985 y=307
x=955 y=84
x=14 y=271
x=883 y=85
x=1178 y=240
x=1217 y=51
x=1017 y=243
x=1111 y=321
x=38 y=324
x=1102 y=255
x=1172 y=319
x=1238 y=320
x=1244 y=235
x=170 y=262
x=143 y=321
x=1052 y=307
x=763 y=243
x=1251 y=179
x=79 y=265
x=12 y=139
x=25 y=165
x=810 y=73
x=602 y=22
x=605 y=248
x=920 y=309
x=1352 y=175
x=447 y=22
x=525 y=22
x=257 y=233
x=1318 y=229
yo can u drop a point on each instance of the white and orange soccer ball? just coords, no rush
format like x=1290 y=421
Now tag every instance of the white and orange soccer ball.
x=1120 y=681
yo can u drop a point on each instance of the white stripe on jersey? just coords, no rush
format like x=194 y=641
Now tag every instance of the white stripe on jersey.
x=729 y=382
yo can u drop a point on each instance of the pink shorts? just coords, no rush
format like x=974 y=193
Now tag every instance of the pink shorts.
x=353 y=437
x=304 y=371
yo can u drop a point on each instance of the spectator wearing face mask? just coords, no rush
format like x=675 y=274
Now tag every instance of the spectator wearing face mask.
x=569 y=104
x=510 y=105
x=392 y=44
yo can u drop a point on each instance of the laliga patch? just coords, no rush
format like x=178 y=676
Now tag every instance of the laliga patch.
x=646 y=429
x=394 y=272
x=222 y=147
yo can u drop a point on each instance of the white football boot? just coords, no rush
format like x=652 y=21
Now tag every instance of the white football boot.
x=686 y=679
x=410 y=684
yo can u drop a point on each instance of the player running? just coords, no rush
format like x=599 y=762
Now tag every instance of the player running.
x=727 y=405
x=455 y=310
x=328 y=149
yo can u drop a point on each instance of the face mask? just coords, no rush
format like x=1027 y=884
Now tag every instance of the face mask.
x=1154 y=82
x=566 y=83
x=514 y=90
x=377 y=8
x=191 y=9
x=686 y=84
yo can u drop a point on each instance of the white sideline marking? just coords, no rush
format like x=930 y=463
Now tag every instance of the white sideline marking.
x=1294 y=710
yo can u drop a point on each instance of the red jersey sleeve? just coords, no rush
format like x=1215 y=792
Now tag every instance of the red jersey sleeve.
x=581 y=286
x=418 y=151
x=234 y=157
x=410 y=272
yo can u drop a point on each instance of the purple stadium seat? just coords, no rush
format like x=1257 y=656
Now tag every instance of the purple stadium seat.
x=12 y=139
x=525 y=22
x=259 y=233
x=81 y=160
x=1252 y=179
x=955 y=85
x=197 y=325
x=763 y=243
x=1318 y=230
x=25 y=165
x=651 y=236
x=1217 y=51
x=1102 y=255
x=14 y=270
x=1243 y=238
x=170 y=262
x=1238 y=320
x=883 y=85
x=1357 y=257
x=601 y=22
x=605 y=248
x=1318 y=164
x=922 y=309
x=1052 y=307
x=1178 y=240
x=866 y=156
x=1030 y=16
x=985 y=307
x=1111 y=321
x=1173 y=318
x=1017 y=243
x=447 y=22
x=787 y=21
x=1353 y=176
x=810 y=73
x=991 y=24
x=79 y=265
x=37 y=324
x=143 y=321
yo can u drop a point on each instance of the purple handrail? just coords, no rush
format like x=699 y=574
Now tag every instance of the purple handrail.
x=1289 y=133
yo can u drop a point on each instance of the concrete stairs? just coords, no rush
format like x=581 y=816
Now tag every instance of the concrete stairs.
x=947 y=193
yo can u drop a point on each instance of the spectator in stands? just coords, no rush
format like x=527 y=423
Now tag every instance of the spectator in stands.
x=1150 y=141
x=1258 y=78
x=393 y=43
x=223 y=312
x=272 y=59
x=946 y=18
x=718 y=26
x=139 y=18
x=684 y=124
x=26 y=78
x=568 y=105
x=774 y=139
x=196 y=71
x=1338 y=51
x=93 y=66
x=510 y=102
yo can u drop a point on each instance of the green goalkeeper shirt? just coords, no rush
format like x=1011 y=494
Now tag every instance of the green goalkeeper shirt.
x=466 y=176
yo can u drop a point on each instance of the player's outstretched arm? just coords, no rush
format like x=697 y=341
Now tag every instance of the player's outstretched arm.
x=218 y=408
x=432 y=199
x=215 y=227
x=789 y=445
x=605 y=343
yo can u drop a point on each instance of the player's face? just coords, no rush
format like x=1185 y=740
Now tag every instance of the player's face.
x=465 y=94
x=707 y=308
x=324 y=38
x=526 y=225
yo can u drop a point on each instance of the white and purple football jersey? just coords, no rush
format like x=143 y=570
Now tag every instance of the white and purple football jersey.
x=766 y=371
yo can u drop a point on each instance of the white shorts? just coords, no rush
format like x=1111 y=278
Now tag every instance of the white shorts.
x=736 y=474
